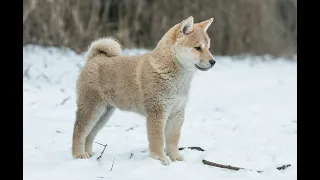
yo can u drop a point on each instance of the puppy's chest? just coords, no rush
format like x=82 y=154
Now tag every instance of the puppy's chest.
x=180 y=101
x=179 y=96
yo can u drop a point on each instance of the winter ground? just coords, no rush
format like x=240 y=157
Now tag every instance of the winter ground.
x=242 y=112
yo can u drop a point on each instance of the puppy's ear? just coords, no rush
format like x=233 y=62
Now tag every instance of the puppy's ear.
x=187 y=26
x=205 y=24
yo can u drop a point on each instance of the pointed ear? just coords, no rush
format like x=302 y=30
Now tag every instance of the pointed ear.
x=187 y=25
x=205 y=24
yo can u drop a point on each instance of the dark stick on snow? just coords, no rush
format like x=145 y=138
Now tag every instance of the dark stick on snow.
x=224 y=166
x=132 y=128
x=112 y=164
x=129 y=129
x=46 y=78
x=98 y=158
x=26 y=72
x=192 y=148
x=64 y=101
x=283 y=167
x=131 y=154
x=238 y=168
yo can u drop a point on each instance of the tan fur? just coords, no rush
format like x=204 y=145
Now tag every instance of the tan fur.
x=155 y=85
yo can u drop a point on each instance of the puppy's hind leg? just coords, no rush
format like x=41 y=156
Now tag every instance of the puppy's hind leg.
x=89 y=110
x=96 y=129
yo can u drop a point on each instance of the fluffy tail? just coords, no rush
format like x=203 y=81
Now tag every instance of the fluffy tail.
x=108 y=46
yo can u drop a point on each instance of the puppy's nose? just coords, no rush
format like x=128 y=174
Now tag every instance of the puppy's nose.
x=212 y=62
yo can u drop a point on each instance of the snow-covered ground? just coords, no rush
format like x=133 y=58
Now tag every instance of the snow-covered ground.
x=242 y=112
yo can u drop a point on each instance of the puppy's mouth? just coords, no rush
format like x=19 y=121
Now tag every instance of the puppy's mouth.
x=201 y=68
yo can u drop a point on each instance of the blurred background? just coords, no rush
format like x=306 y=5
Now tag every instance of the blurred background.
x=241 y=26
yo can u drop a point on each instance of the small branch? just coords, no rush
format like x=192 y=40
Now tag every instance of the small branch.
x=112 y=164
x=45 y=78
x=64 y=101
x=100 y=144
x=105 y=12
x=131 y=154
x=238 y=168
x=192 y=148
x=98 y=158
x=224 y=166
x=26 y=72
x=283 y=167
x=29 y=10
x=227 y=166
x=76 y=20
x=131 y=128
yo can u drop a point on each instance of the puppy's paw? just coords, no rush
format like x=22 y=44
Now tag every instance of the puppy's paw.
x=83 y=155
x=175 y=157
x=91 y=154
x=163 y=159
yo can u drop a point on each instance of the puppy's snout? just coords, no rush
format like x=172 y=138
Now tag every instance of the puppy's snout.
x=212 y=62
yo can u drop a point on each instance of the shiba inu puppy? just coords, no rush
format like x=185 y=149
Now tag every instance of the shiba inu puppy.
x=155 y=85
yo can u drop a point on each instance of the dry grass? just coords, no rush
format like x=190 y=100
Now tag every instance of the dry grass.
x=240 y=26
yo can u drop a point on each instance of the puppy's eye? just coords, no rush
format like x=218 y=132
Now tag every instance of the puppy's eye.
x=198 y=48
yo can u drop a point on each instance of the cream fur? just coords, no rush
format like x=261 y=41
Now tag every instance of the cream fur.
x=155 y=85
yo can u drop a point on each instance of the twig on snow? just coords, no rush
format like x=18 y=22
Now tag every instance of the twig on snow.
x=228 y=166
x=192 y=148
x=131 y=128
x=64 y=101
x=45 y=77
x=283 y=167
x=98 y=158
x=224 y=166
x=26 y=72
x=112 y=164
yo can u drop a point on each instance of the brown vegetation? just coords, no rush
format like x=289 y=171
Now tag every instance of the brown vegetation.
x=240 y=26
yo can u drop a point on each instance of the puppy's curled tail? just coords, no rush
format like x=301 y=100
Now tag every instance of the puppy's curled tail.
x=108 y=46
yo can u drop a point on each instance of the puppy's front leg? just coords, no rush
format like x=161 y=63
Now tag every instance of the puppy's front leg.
x=172 y=133
x=155 y=130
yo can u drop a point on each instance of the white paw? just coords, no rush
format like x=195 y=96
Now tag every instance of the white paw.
x=163 y=159
x=175 y=157
x=91 y=154
x=83 y=155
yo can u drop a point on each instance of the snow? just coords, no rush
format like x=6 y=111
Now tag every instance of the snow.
x=243 y=112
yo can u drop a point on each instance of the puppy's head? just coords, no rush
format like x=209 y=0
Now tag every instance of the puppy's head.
x=192 y=44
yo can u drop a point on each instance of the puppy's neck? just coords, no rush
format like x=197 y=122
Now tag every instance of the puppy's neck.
x=167 y=65
x=164 y=60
